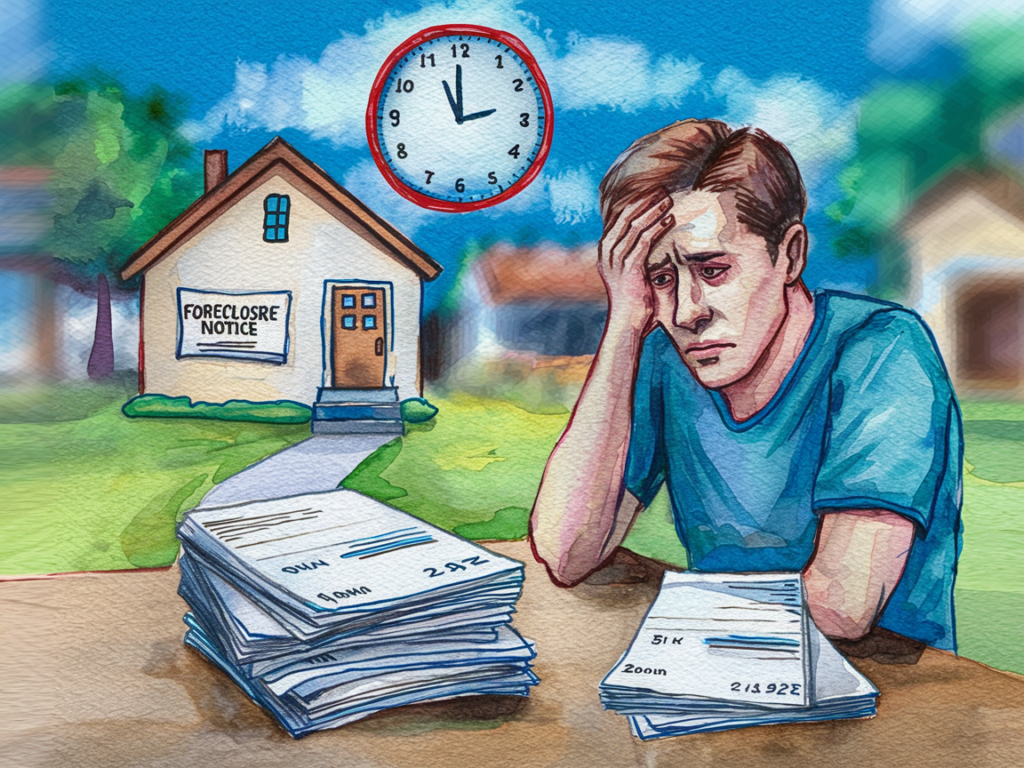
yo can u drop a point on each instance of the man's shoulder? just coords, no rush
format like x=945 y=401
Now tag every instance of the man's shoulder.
x=866 y=329
x=854 y=319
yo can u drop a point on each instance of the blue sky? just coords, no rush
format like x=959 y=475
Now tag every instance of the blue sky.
x=303 y=70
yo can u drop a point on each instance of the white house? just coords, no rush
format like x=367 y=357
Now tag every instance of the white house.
x=279 y=284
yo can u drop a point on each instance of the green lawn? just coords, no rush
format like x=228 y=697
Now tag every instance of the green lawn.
x=476 y=468
x=86 y=488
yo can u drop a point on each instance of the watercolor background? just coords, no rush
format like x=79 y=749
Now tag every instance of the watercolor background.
x=879 y=102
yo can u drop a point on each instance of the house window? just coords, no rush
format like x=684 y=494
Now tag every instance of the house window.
x=348 y=321
x=275 y=218
x=348 y=301
x=369 y=322
x=369 y=300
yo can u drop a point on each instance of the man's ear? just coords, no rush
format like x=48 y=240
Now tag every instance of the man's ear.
x=793 y=250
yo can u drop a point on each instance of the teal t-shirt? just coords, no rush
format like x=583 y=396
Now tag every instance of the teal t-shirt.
x=866 y=419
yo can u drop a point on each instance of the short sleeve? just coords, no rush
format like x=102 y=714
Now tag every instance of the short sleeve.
x=889 y=421
x=645 y=462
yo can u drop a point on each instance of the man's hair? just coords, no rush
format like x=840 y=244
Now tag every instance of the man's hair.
x=707 y=155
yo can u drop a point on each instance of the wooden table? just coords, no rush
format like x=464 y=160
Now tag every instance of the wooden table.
x=93 y=673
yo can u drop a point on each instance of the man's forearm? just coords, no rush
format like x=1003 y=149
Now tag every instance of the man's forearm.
x=579 y=518
x=856 y=566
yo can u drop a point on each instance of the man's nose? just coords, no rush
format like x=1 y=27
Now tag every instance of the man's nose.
x=692 y=310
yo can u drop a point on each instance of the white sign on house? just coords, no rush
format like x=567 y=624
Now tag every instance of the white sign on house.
x=247 y=326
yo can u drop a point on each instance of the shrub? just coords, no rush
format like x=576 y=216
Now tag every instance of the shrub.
x=162 y=406
x=416 y=410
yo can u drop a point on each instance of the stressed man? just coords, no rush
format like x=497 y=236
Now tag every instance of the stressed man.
x=794 y=430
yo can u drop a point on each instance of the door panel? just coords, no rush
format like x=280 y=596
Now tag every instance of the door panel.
x=359 y=337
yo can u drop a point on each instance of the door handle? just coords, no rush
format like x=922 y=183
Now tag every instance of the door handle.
x=378 y=346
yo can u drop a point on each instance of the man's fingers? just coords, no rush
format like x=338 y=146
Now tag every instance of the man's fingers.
x=642 y=248
x=644 y=231
x=636 y=218
x=641 y=209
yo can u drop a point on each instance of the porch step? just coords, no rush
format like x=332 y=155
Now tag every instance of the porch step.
x=352 y=411
x=327 y=411
x=347 y=395
x=358 y=427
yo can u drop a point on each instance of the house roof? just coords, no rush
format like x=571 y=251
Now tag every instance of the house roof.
x=280 y=158
x=508 y=275
x=998 y=188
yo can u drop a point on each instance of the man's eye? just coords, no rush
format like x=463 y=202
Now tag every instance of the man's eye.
x=661 y=280
x=711 y=272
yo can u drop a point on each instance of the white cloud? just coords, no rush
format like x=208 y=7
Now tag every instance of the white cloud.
x=570 y=196
x=573 y=196
x=326 y=98
x=817 y=126
x=618 y=73
x=365 y=181
x=904 y=30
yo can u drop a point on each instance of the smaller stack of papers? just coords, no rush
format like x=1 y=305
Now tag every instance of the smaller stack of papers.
x=325 y=608
x=720 y=651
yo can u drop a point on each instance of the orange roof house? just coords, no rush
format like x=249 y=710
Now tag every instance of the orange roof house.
x=539 y=302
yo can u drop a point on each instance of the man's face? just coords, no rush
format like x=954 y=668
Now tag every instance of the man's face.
x=716 y=292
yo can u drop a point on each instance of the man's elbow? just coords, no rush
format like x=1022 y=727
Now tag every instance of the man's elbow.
x=843 y=625
x=834 y=611
x=561 y=568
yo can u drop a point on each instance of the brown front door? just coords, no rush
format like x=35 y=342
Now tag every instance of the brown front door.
x=359 y=333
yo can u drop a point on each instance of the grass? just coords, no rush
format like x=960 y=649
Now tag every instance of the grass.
x=475 y=470
x=86 y=488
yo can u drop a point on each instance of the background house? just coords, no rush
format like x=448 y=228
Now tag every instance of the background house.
x=965 y=242
x=526 y=315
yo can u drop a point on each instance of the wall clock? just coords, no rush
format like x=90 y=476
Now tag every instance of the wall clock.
x=459 y=118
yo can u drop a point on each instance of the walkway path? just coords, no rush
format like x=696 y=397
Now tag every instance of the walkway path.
x=319 y=463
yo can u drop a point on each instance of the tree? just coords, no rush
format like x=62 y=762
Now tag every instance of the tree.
x=912 y=133
x=122 y=171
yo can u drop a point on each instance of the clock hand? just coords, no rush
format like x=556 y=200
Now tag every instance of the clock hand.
x=458 y=88
x=458 y=99
x=456 y=108
x=476 y=115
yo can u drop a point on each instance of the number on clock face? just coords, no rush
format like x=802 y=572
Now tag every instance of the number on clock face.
x=461 y=118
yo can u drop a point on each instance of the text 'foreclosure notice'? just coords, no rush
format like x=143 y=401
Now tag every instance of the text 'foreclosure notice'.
x=252 y=326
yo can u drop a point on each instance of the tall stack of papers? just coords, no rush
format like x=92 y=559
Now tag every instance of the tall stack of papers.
x=328 y=607
x=719 y=651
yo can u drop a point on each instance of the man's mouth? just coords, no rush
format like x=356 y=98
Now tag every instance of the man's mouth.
x=707 y=352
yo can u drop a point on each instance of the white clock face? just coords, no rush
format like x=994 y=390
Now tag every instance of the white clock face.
x=460 y=119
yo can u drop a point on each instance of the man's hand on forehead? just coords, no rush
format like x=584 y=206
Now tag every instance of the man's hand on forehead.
x=623 y=253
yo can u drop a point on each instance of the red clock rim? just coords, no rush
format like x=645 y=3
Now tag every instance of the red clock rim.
x=377 y=91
